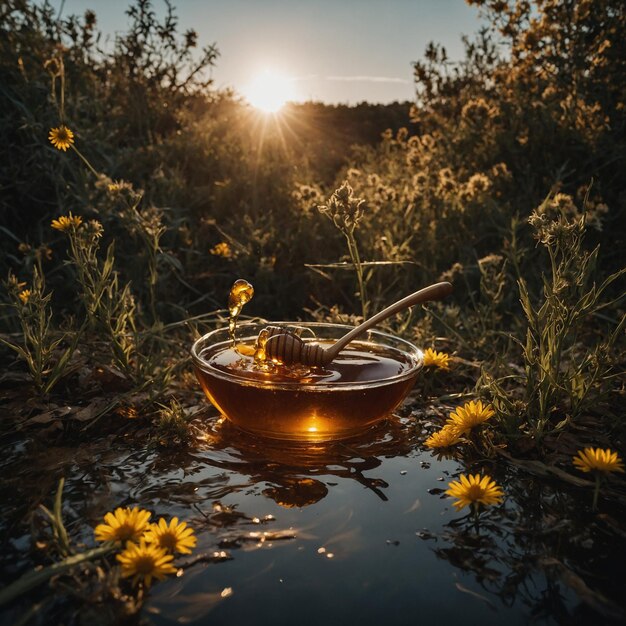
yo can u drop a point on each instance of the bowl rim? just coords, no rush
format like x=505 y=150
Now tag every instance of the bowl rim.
x=406 y=347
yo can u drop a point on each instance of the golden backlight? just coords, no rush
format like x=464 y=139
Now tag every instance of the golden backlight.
x=269 y=91
x=357 y=390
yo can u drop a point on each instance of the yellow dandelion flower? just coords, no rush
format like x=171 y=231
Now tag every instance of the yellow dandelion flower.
x=177 y=537
x=122 y=525
x=432 y=358
x=66 y=222
x=222 y=249
x=443 y=438
x=477 y=488
x=145 y=562
x=467 y=417
x=61 y=138
x=598 y=460
x=24 y=295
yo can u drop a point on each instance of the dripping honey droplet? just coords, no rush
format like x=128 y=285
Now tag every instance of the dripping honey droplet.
x=240 y=294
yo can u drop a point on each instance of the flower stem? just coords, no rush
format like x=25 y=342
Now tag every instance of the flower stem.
x=475 y=513
x=85 y=161
x=596 y=491
x=358 y=268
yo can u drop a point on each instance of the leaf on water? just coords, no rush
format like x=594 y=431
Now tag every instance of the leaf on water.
x=464 y=589
x=237 y=540
x=218 y=556
x=416 y=505
x=226 y=516
x=425 y=534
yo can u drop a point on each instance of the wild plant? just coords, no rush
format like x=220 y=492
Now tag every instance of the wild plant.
x=172 y=426
x=108 y=308
x=46 y=351
x=566 y=369
x=346 y=211
x=147 y=225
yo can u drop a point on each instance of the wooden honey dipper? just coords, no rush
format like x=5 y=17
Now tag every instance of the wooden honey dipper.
x=289 y=348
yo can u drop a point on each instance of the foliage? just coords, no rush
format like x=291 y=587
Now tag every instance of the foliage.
x=181 y=189
x=45 y=351
x=134 y=194
x=566 y=370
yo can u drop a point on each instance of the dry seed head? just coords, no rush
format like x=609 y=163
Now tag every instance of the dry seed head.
x=343 y=208
x=478 y=184
x=476 y=111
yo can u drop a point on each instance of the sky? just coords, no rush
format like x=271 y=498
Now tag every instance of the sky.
x=333 y=51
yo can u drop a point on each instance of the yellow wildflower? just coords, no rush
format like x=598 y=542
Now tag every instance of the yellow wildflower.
x=436 y=359
x=598 y=460
x=177 y=537
x=24 y=295
x=61 y=138
x=472 y=414
x=222 y=249
x=443 y=438
x=123 y=524
x=145 y=561
x=476 y=488
x=66 y=222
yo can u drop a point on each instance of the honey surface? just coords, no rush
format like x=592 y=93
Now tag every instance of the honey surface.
x=358 y=363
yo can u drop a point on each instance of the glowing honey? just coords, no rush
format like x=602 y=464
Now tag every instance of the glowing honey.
x=359 y=388
x=240 y=294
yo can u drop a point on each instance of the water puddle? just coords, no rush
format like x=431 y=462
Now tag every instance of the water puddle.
x=358 y=531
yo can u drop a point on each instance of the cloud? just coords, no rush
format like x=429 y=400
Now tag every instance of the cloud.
x=369 y=79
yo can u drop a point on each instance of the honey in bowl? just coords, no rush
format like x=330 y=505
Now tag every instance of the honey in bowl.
x=359 y=388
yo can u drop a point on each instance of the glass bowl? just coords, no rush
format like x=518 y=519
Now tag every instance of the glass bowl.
x=361 y=387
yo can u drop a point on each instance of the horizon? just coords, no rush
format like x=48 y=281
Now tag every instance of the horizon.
x=305 y=47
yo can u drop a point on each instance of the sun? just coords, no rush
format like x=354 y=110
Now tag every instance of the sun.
x=269 y=91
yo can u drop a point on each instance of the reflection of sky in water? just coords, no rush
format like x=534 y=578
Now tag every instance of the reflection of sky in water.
x=378 y=569
x=356 y=556
x=352 y=534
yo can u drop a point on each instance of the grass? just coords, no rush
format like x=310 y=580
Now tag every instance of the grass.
x=170 y=205
x=529 y=290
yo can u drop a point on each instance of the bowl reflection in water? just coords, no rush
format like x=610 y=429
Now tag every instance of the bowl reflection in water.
x=357 y=390
x=297 y=473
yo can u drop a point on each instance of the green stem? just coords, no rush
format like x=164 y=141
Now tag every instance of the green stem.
x=475 y=512
x=37 y=577
x=596 y=492
x=356 y=261
x=85 y=161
